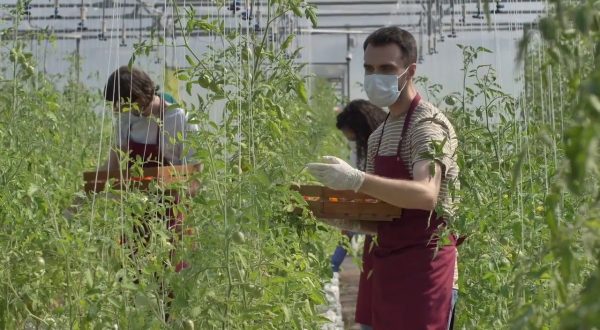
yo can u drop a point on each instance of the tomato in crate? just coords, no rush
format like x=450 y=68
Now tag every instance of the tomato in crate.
x=327 y=203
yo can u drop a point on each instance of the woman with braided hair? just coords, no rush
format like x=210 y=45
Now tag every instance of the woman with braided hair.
x=357 y=121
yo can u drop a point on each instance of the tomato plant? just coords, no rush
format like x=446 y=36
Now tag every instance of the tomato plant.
x=528 y=187
x=76 y=260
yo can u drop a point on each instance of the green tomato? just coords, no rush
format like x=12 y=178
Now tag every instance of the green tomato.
x=237 y=170
x=238 y=237
x=450 y=100
x=188 y=325
x=255 y=291
x=29 y=69
x=210 y=295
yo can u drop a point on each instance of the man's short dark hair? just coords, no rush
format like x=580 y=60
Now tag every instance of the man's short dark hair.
x=394 y=35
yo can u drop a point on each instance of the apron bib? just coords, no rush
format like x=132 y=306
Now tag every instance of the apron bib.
x=411 y=287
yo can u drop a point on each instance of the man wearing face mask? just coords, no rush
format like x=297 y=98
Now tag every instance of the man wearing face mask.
x=411 y=163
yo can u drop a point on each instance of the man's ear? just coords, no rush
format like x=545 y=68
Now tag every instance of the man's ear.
x=412 y=70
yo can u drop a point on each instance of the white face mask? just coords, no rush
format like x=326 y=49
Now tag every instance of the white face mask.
x=382 y=89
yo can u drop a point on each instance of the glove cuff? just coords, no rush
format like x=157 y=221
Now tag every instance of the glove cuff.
x=359 y=180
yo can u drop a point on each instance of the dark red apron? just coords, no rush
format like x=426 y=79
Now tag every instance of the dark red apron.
x=363 y=302
x=151 y=156
x=412 y=288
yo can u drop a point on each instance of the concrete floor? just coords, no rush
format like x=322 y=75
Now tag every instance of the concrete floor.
x=349 y=276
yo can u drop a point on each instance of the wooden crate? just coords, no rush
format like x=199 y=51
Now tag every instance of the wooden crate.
x=327 y=203
x=95 y=181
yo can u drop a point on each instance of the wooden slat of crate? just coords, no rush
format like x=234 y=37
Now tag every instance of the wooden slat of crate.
x=162 y=171
x=164 y=175
x=327 y=203
x=139 y=181
x=140 y=185
x=324 y=192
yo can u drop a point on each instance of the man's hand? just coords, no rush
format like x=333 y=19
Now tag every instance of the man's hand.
x=337 y=174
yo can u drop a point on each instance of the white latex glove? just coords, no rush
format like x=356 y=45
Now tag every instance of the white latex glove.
x=337 y=174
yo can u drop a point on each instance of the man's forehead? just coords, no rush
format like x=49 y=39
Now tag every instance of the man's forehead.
x=386 y=54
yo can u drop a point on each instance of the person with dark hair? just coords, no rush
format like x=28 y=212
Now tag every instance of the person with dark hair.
x=411 y=163
x=145 y=129
x=357 y=121
x=138 y=133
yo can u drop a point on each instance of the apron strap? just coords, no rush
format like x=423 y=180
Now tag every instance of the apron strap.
x=413 y=105
x=411 y=110
x=381 y=135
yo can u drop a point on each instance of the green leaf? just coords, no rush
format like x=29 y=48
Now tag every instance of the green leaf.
x=52 y=106
x=286 y=313
x=32 y=190
x=52 y=117
x=548 y=28
x=204 y=25
x=311 y=15
x=131 y=61
x=582 y=19
x=88 y=278
x=296 y=9
x=190 y=60
x=287 y=42
x=141 y=300
x=246 y=53
x=301 y=91
x=595 y=102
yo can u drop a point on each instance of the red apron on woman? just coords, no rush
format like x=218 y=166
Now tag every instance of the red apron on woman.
x=411 y=287
x=151 y=156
